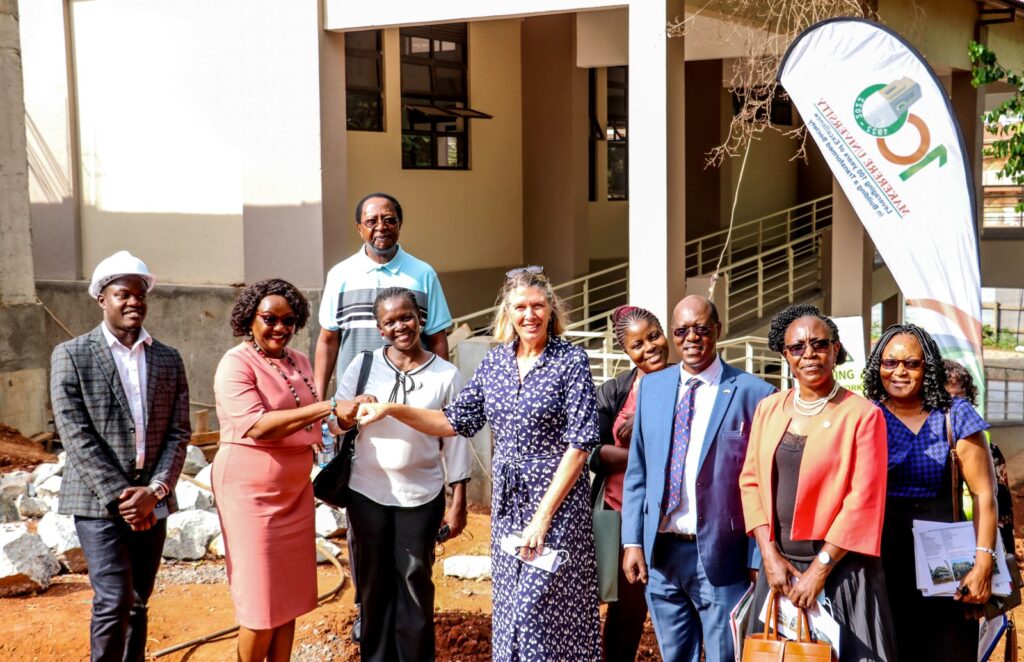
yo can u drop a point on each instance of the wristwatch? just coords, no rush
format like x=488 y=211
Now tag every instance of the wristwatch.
x=824 y=558
x=159 y=490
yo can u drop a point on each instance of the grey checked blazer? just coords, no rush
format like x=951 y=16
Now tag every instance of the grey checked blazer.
x=95 y=423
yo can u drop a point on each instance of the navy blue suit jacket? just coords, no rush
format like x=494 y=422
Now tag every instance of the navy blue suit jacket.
x=722 y=542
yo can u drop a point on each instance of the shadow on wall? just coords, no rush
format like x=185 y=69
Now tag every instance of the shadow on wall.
x=195 y=320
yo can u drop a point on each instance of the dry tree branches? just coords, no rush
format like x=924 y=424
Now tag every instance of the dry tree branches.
x=766 y=28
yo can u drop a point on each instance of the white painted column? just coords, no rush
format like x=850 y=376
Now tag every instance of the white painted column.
x=852 y=263
x=657 y=187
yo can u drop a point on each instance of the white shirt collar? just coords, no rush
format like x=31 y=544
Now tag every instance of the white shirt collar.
x=144 y=337
x=710 y=374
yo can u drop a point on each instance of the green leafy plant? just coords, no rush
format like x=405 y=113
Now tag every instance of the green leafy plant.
x=1005 y=121
x=1005 y=339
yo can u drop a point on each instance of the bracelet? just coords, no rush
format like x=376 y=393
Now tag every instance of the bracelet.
x=987 y=550
x=333 y=416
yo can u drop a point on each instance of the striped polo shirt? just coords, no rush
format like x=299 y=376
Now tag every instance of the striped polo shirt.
x=353 y=284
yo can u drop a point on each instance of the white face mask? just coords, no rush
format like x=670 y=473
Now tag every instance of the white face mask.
x=548 y=561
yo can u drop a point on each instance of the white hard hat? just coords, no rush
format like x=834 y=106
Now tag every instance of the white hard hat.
x=121 y=263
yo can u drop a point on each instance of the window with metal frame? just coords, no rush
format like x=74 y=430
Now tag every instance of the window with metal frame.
x=617 y=133
x=364 y=73
x=435 y=98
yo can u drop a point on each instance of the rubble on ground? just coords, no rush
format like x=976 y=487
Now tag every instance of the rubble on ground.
x=468 y=567
x=29 y=498
x=26 y=563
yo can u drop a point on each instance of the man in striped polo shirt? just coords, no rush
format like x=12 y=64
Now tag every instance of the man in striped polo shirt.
x=346 y=308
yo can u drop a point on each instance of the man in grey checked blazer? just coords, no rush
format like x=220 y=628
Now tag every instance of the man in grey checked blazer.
x=120 y=403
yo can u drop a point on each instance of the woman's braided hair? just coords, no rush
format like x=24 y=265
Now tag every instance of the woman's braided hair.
x=624 y=317
x=780 y=323
x=933 y=393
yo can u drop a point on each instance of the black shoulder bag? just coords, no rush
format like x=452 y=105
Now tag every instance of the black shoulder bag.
x=331 y=484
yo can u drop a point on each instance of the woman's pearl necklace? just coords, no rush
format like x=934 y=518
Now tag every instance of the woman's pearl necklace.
x=814 y=407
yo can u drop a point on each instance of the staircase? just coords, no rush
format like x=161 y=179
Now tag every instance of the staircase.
x=770 y=262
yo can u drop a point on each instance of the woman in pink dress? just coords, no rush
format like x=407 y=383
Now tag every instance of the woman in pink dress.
x=269 y=414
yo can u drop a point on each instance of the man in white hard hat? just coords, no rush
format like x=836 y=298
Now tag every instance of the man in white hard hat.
x=120 y=403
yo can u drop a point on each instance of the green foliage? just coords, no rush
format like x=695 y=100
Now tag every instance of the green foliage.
x=1005 y=121
x=1003 y=340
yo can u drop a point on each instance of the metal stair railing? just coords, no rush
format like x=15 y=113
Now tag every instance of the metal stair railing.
x=769 y=261
x=751 y=353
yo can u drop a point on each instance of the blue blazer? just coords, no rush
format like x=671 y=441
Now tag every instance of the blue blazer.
x=726 y=552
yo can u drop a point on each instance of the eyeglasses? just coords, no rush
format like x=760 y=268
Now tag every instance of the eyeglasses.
x=374 y=223
x=532 y=270
x=699 y=329
x=817 y=345
x=909 y=364
x=272 y=320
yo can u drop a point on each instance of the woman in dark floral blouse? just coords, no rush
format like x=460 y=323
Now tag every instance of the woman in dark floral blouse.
x=536 y=392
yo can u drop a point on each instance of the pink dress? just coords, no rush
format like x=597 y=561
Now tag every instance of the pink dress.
x=263 y=492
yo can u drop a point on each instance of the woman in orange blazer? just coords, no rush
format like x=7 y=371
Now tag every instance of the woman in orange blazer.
x=813 y=490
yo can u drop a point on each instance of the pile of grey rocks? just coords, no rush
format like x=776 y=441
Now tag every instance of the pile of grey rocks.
x=37 y=542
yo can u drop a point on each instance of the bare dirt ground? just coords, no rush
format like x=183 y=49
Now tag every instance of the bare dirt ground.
x=18 y=452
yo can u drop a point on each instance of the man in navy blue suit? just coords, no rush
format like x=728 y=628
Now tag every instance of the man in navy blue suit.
x=682 y=520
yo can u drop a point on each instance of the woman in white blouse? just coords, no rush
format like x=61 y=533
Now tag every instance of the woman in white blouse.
x=397 y=499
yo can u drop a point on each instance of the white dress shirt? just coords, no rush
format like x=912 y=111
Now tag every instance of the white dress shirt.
x=684 y=518
x=131 y=368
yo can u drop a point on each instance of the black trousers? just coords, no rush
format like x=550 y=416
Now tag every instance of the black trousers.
x=624 y=622
x=394 y=555
x=122 y=570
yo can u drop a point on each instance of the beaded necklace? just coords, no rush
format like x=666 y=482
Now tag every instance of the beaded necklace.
x=295 y=394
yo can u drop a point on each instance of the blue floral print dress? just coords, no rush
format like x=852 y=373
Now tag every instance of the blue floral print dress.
x=537 y=615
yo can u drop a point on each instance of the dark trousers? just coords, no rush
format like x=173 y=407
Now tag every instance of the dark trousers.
x=122 y=570
x=394 y=555
x=624 y=622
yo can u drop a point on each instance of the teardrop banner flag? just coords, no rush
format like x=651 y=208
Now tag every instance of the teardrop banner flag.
x=883 y=122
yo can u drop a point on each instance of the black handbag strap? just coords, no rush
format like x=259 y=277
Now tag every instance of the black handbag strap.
x=364 y=372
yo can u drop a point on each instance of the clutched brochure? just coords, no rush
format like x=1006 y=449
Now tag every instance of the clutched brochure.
x=944 y=554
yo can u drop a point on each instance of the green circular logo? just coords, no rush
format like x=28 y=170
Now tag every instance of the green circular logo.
x=858 y=114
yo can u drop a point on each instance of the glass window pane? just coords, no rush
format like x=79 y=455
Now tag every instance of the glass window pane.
x=448 y=50
x=448 y=152
x=363 y=40
x=415 y=77
x=617 y=171
x=361 y=72
x=617 y=102
x=416 y=152
x=363 y=112
x=415 y=46
x=617 y=75
x=450 y=82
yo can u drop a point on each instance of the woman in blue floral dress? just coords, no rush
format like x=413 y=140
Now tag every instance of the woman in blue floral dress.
x=536 y=392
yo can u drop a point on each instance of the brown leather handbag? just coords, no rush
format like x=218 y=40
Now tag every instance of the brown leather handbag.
x=768 y=647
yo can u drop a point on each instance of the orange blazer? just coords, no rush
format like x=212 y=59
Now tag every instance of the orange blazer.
x=840 y=496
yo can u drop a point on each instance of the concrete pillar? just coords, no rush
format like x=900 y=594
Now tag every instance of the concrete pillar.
x=336 y=219
x=852 y=258
x=17 y=285
x=282 y=185
x=657 y=177
x=50 y=112
x=555 y=130
x=969 y=105
x=892 y=311
x=23 y=351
